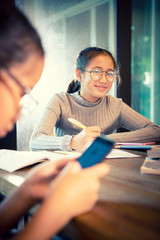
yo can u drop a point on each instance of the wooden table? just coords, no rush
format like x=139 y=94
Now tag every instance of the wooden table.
x=128 y=206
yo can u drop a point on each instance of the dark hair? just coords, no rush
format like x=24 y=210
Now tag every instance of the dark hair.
x=18 y=38
x=84 y=57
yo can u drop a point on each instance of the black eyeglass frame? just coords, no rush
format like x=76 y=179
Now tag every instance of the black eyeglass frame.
x=24 y=89
x=26 y=92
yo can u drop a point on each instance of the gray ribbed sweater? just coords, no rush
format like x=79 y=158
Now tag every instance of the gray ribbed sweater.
x=109 y=113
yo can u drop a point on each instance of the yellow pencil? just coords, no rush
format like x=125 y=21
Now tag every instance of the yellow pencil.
x=76 y=123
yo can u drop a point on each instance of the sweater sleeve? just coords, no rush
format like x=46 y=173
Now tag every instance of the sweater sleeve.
x=42 y=138
x=140 y=128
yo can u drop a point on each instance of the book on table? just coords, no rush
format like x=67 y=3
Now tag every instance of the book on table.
x=154 y=152
x=151 y=164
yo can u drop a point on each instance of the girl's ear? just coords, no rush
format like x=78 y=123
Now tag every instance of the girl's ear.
x=78 y=74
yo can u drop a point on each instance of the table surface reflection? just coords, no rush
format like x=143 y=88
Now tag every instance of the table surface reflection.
x=128 y=205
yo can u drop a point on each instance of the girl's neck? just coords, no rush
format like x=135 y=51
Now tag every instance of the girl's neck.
x=91 y=101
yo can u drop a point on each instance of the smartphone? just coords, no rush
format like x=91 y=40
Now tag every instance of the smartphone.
x=96 y=152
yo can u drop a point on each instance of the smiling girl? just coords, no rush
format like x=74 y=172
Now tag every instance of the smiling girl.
x=87 y=100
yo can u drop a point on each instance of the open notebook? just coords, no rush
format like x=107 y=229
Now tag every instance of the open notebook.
x=11 y=160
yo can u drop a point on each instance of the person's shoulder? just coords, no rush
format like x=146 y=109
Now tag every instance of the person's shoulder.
x=59 y=96
x=62 y=98
x=56 y=98
x=65 y=97
x=113 y=100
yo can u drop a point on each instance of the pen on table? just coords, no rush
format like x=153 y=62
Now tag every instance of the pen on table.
x=145 y=147
x=134 y=143
x=77 y=123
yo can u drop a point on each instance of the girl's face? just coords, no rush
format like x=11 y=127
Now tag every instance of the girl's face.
x=27 y=73
x=93 y=90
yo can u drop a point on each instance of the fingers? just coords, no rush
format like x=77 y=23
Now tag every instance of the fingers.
x=49 y=168
x=98 y=170
x=93 y=131
x=61 y=163
x=72 y=167
x=56 y=167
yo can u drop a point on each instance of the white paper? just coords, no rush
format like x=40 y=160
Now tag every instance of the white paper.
x=11 y=160
x=117 y=153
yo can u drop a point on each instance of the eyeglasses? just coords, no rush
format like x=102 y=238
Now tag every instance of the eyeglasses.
x=96 y=75
x=27 y=102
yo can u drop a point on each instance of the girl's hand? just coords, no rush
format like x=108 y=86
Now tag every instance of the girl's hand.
x=86 y=135
x=75 y=191
x=39 y=178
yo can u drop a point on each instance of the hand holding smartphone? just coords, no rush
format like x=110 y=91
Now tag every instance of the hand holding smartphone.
x=96 y=152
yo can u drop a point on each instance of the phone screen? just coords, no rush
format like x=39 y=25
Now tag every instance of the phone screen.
x=96 y=152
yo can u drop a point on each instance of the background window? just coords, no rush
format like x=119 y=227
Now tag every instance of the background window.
x=145 y=60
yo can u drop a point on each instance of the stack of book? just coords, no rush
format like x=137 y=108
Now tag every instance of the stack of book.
x=151 y=164
x=135 y=146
